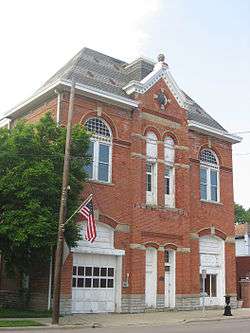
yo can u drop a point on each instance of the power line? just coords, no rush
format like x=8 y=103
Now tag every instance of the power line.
x=242 y=154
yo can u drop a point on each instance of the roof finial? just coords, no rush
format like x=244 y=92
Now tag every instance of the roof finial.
x=161 y=57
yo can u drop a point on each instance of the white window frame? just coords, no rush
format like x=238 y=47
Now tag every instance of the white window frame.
x=169 y=198
x=98 y=140
x=151 y=158
x=209 y=167
x=169 y=163
x=151 y=196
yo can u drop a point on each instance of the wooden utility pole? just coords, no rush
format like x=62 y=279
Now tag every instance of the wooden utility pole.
x=63 y=205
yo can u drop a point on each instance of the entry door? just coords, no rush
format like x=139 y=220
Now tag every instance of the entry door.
x=169 y=279
x=167 y=287
x=151 y=277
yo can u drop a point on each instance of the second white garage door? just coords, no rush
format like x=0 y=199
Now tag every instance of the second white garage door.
x=93 y=283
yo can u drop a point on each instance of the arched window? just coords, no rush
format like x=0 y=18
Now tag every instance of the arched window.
x=209 y=176
x=151 y=168
x=99 y=150
x=169 y=156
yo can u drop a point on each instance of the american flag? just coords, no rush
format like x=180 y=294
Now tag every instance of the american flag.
x=88 y=213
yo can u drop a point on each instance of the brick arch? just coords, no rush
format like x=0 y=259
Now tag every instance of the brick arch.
x=152 y=244
x=105 y=117
x=171 y=135
x=108 y=220
x=212 y=232
x=212 y=148
x=148 y=129
x=171 y=246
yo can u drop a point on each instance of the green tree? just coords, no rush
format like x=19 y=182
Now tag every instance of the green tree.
x=31 y=165
x=241 y=214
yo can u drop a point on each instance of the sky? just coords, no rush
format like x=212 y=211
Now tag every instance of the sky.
x=206 y=43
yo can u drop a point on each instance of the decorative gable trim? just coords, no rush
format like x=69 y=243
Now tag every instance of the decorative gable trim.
x=161 y=71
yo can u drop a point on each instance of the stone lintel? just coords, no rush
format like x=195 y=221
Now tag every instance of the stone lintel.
x=122 y=228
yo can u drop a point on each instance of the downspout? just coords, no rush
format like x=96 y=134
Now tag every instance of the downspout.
x=58 y=107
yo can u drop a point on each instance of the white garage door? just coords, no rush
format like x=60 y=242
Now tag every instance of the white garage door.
x=93 y=283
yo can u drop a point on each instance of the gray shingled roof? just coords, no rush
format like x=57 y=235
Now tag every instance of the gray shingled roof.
x=98 y=70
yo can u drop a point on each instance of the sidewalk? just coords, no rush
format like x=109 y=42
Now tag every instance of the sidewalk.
x=142 y=319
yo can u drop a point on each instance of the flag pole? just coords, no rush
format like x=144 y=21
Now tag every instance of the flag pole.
x=82 y=204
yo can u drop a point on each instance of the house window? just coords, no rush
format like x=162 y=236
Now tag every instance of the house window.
x=169 y=156
x=151 y=168
x=99 y=150
x=210 y=285
x=209 y=176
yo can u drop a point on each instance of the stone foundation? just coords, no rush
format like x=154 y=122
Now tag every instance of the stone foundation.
x=133 y=303
x=187 y=302
x=65 y=305
x=160 y=302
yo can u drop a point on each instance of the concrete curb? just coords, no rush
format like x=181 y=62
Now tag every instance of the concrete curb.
x=189 y=321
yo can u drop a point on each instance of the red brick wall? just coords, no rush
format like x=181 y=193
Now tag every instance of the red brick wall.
x=124 y=199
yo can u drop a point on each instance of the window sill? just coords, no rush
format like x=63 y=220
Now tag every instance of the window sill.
x=100 y=182
x=211 y=202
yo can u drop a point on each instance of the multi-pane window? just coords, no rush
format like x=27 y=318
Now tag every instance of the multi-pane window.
x=169 y=156
x=93 y=277
x=210 y=285
x=151 y=168
x=209 y=176
x=99 y=150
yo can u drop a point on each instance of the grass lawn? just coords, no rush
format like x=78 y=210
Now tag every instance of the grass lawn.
x=19 y=323
x=22 y=313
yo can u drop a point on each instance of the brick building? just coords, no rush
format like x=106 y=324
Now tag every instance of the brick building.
x=163 y=188
x=242 y=251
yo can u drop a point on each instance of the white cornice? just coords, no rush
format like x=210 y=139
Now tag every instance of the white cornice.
x=31 y=99
x=101 y=93
x=161 y=71
x=5 y=122
x=30 y=102
x=223 y=135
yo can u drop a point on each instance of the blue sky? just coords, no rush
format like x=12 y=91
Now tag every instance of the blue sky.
x=207 y=46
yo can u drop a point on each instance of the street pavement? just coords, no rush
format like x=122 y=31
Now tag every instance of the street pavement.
x=224 y=326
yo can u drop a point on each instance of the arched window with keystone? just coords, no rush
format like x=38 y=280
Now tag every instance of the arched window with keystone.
x=169 y=174
x=100 y=150
x=209 y=176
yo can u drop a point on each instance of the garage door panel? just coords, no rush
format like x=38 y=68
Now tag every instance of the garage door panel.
x=93 y=283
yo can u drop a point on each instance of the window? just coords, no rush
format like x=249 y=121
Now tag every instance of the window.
x=169 y=156
x=151 y=168
x=210 y=285
x=99 y=150
x=93 y=277
x=209 y=176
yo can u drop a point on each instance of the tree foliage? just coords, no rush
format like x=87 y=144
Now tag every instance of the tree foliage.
x=242 y=215
x=31 y=166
